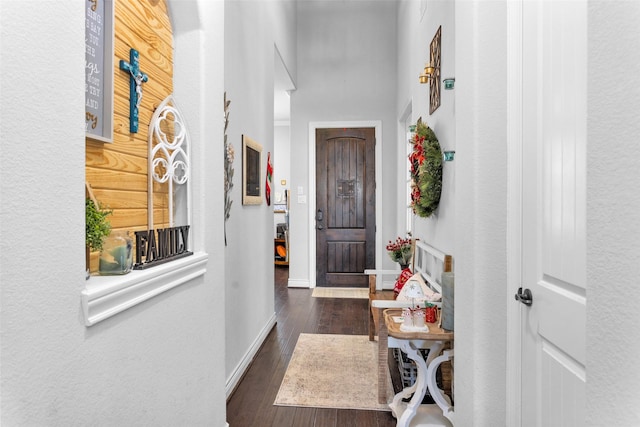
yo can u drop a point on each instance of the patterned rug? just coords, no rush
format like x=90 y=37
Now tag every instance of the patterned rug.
x=359 y=293
x=332 y=371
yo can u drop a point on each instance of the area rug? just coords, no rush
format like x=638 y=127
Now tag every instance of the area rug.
x=333 y=371
x=358 y=293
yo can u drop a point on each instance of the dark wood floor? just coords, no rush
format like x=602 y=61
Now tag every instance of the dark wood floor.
x=297 y=312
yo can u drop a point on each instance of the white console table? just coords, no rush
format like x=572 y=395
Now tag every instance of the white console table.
x=414 y=413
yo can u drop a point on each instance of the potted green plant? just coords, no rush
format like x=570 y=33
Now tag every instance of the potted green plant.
x=97 y=227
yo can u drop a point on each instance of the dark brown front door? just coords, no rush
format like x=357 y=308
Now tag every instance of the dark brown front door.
x=345 y=203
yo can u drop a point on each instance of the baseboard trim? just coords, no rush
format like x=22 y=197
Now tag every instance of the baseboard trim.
x=241 y=368
x=298 y=283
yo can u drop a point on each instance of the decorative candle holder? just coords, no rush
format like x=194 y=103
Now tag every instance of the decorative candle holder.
x=418 y=318
x=407 y=315
x=116 y=256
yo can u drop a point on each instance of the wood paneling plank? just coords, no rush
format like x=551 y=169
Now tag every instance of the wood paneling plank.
x=119 y=199
x=107 y=159
x=142 y=21
x=103 y=178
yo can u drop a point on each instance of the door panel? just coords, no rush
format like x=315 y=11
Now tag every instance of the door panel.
x=345 y=201
x=564 y=389
x=554 y=212
x=563 y=318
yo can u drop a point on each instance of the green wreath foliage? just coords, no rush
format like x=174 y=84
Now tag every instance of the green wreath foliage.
x=426 y=171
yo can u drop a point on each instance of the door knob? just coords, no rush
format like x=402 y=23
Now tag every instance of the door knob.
x=525 y=297
x=319 y=217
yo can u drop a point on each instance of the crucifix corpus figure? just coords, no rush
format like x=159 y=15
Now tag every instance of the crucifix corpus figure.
x=136 y=79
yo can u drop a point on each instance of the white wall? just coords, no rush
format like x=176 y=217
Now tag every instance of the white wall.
x=157 y=363
x=469 y=223
x=613 y=203
x=344 y=74
x=482 y=293
x=417 y=26
x=252 y=30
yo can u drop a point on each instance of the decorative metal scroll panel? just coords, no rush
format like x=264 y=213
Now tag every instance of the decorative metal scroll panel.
x=346 y=188
x=169 y=159
x=434 y=82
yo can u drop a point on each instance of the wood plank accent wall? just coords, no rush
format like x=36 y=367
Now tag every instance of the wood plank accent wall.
x=118 y=172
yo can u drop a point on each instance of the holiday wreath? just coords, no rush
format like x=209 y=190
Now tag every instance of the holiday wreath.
x=426 y=171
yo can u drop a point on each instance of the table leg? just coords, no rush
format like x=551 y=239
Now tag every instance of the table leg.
x=434 y=351
x=383 y=361
x=419 y=388
x=441 y=399
x=396 y=405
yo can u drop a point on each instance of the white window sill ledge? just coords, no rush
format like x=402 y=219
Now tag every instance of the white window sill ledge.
x=106 y=296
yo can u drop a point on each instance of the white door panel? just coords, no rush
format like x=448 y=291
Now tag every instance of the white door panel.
x=562 y=88
x=553 y=212
x=562 y=318
x=563 y=388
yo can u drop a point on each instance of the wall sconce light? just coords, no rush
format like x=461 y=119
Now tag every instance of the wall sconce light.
x=412 y=133
x=448 y=156
x=427 y=73
x=449 y=83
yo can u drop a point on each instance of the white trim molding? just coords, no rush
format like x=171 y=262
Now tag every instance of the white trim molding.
x=241 y=368
x=106 y=296
x=377 y=124
x=514 y=211
x=298 y=283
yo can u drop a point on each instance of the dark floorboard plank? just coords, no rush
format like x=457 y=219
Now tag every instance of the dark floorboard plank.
x=385 y=419
x=283 y=417
x=346 y=418
x=326 y=418
x=304 y=417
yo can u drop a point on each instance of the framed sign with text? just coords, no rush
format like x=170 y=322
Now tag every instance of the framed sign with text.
x=98 y=84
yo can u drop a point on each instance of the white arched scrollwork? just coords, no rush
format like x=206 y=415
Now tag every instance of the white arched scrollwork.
x=169 y=161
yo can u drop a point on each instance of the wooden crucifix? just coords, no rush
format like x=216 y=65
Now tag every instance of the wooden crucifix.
x=136 y=79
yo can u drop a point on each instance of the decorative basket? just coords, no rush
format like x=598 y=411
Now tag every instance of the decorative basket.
x=407 y=367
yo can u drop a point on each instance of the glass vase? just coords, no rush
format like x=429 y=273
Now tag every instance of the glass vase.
x=116 y=256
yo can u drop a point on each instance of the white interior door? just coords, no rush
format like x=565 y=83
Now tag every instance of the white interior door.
x=553 y=212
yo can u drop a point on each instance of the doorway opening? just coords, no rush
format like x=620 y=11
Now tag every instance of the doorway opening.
x=313 y=127
x=281 y=160
x=345 y=206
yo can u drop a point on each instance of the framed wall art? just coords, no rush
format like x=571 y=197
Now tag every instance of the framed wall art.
x=99 y=70
x=434 y=82
x=251 y=171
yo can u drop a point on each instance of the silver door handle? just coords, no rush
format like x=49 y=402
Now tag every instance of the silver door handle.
x=525 y=297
